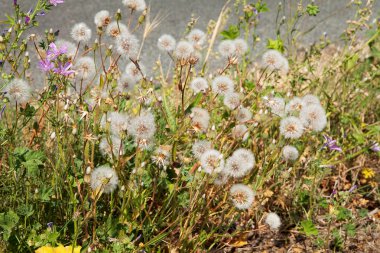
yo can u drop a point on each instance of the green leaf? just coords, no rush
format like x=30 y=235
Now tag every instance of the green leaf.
x=343 y=214
x=170 y=115
x=309 y=228
x=312 y=9
x=8 y=221
x=350 y=229
x=194 y=103
x=232 y=33
x=277 y=44
x=261 y=7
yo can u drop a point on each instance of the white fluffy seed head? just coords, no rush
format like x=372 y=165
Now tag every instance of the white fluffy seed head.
x=243 y=115
x=291 y=127
x=161 y=157
x=102 y=18
x=71 y=48
x=242 y=196
x=115 y=29
x=85 y=67
x=132 y=71
x=197 y=37
x=290 y=153
x=125 y=83
x=222 y=85
x=18 y=92
x=166 y=43
x=274 y=60
x=240 y=132
x=135 y=5
x=111 y=147
x=200 y=118
x=313 y=116
x=143 y=126
x=212 y=161
x=199 y=84
x=199 y=147
x=240 y=163
x=227 y=48
x=81 y=32
x=273 y=221
x=105 y=178
x=232 y=100
x=294 y=106
x=220 y=178
x=311 y=100
x=277 y=106
x=184 y=50
x=241 y=46
x=127 y=45
x=118 y=122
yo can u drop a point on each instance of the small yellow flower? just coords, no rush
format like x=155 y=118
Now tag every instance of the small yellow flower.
x=59 y=249
x=368 y=173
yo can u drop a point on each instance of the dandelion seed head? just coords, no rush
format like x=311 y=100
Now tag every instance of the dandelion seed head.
x=125 y=83
x=227 y=48
x=274 y=60
x=197 y=37
x=161 y=157
x=240 y=132
x=18 y=92
x=81 y=32
x=135 y=5
x=132 y=71
x=127 y=45
x=71 y=48
x=273 y=220
x=143 y=126
x=212 y=161
x=118 y=122
x=184 y=50
x=235 y=167
x=290 y=153
x=199 y=147
x=85 y=67
x=291 y=127
x=115 y=29
x=104 y=177
x=115 y=147
x=295 y=105
x=277 y=106
x=220 y=178
x=200 y=118
x=144 y=144
x=199 y=84
x=241 y=46
x=242 y=196
x=243 y=115
x=166 y=43
x=314 y=117
x=232 y=100
x=102 y=18
x=222 y=85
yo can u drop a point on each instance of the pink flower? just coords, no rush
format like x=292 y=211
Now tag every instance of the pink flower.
x=56 y=2
x=64 y=69
x=54 y=51
x=45 y=65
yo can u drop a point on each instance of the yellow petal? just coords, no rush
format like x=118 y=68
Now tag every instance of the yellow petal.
x=45 y=249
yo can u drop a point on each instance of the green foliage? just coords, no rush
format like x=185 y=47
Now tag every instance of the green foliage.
x=309 y=228
x=232 y=33
x=8 y=221
x=312 y=9
x=276 y=44
x=31 y=161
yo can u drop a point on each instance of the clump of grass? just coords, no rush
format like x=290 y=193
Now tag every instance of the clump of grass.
x=108 y=155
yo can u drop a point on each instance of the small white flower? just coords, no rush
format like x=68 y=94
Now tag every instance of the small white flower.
x=104 y=177
x=242 y=196
x=166 y=43
x=273 y=220
x=85 y=67
x=314 y=117
x=81 y=32
x=135 y=5
x=115 y=29
x=143 y=127
x=127 y=45
x=197 y=37
x=184 y=50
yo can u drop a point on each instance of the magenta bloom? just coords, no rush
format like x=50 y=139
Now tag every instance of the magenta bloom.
x=331 y=144
x=46 y=65
x=56 y=2
x=64 y=69
x=54 y=51
x=375 y=147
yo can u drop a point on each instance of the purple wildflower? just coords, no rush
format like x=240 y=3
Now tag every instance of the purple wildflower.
x=2 y=111
x=375 y=147
x=27 y=20
x=56 y=2
x=331 y=144
x=353 y=188
x=14 y=2
x=64 y=69
x=49 y=225
x=46 y=65
x=54 y=51
x=41 y=13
